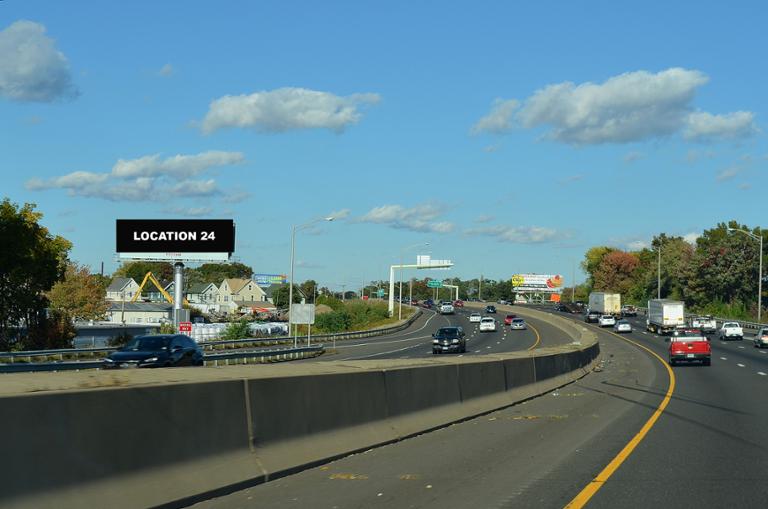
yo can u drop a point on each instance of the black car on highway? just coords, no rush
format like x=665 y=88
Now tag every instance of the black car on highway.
x=449 y=339
x=592 y=317
x=154 y=351
x=490 y=309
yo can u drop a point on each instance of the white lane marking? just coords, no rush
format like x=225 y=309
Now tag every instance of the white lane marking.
x=761 y=373
x=724 y=358
x=498 y=342
x=741 y=347
x=762 y=352
x=488 y=347
x=477 y=351
x=645 y=333
x=740 y=365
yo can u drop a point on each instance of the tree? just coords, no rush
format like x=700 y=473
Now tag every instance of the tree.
x=281 y=293
x=137 y=270
x=615 y=272
x=592 y=259
x=31 y=261
x=218 y=272
x=309 y=288
x=78 y=295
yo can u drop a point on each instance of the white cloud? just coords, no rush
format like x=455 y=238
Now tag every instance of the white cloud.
x=189 y=211
x=631 y=157
x=145 y=178
x=728 y=173
x=31 y=68
x=637 y=245
x=703 y=126
x=421 y=218
x=339 y=214
x=484 y=218
x=630 y=107
x=570 y=179
x=176 y=166
x=499 y=120
x=166 y=70
x=286 y=109
x=745 y=187
x=691 y=237
x=517 y=234
x=236 y=197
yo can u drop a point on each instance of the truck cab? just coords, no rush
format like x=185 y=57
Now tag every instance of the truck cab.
x=689 y=346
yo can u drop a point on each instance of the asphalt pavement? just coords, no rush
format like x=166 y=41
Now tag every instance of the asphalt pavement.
x=416 y=341
x=707 y=447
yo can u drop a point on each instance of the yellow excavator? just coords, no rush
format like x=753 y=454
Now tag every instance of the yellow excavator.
x=150 y=277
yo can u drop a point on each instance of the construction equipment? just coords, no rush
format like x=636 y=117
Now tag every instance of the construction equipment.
x=150 y=277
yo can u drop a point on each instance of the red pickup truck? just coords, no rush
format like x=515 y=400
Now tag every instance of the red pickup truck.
x=689 y=346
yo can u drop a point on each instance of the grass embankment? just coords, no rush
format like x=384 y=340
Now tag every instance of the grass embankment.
x=355 y=315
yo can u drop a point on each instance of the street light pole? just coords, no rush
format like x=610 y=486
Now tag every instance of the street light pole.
x=400 y=296
x=758 y=238
x=294 y=229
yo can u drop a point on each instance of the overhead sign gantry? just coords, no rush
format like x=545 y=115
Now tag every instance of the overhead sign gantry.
x=422 y=262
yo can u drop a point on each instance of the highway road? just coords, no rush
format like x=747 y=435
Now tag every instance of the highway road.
x=416 y=341
x=634 y=433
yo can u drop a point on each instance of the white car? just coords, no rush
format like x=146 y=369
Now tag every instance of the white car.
x=446 y=309
x=731 y=330
x=622 y=326
x=487 y=324
x=761 y=338
x=475 y=318
x=606 y=321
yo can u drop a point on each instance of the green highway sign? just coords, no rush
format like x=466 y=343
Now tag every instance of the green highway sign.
x=380 y=293
x=434 y=283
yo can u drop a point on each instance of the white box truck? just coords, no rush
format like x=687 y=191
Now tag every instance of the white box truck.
x=605 y=303
x=665 y=315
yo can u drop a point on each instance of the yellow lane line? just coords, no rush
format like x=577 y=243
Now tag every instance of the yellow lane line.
x=538 y=337
x=594 y=486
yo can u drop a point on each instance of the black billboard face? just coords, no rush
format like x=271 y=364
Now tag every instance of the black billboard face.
x=175 y=235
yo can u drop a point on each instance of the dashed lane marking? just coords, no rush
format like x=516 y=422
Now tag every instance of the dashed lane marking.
x=761 y=373
x=740 y=365
x=724 y=358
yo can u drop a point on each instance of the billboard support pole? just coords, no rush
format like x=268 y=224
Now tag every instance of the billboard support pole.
x=178 y=293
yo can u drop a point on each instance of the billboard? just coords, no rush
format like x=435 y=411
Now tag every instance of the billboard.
x=175 y=239
x=270 y=279
x=542 y=283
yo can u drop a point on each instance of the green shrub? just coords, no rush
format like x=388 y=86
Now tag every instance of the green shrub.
x=236 y=330
x=335 y=321
x=331 y=302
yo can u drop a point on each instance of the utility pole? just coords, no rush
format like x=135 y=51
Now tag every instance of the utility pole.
x=658 y=274
x=480 y=289
x=573 y=283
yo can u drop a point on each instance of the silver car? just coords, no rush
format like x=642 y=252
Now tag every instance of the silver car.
x=761 y=338
x=518 y=323
x=622 y=326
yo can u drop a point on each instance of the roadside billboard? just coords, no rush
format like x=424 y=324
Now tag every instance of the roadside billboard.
x=175 y=239
x=270 y=279
x=541 y=283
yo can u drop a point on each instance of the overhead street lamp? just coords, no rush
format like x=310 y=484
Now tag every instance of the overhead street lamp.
x=294 y=229
x=758 y=238
x=400 y=296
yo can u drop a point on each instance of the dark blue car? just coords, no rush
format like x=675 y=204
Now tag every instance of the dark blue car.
x=154 y=351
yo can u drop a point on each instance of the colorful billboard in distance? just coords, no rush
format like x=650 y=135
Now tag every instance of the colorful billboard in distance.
x=270 y=279
x=542 y=283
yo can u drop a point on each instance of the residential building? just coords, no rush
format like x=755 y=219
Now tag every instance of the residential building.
x=140 y=312
x=237 y=293
x=203 y=293
x=122 y=289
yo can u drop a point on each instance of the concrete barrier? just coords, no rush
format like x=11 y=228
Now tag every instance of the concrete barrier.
x=174 y=444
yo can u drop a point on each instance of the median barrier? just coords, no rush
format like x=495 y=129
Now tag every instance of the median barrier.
x=177 y=443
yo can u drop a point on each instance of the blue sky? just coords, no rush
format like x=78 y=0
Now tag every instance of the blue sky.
x=511 y=136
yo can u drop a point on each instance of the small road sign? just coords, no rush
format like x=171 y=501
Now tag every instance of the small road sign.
x=434 y=283
x=185 y=327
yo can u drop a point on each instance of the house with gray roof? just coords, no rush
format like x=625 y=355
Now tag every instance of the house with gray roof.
x=122 y=289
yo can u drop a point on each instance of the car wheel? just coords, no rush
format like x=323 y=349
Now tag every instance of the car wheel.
x=707 y=362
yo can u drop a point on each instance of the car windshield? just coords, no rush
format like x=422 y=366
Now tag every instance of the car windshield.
x=730 y=325
x=148 y=343
x=448 y=332
x=487 y=320
x=622 y=322
x=518 y=320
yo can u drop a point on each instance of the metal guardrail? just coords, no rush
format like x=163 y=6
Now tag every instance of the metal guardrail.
x=206 y=345
x=210 y=359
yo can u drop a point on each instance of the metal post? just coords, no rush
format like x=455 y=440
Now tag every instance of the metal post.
x=573 y=284
x=400 y=294
x=658 y=274
x=480 y=289
x=760 y=279
x=391 y=290
x=290 y=288
x=178 y=293
x=410 y=291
